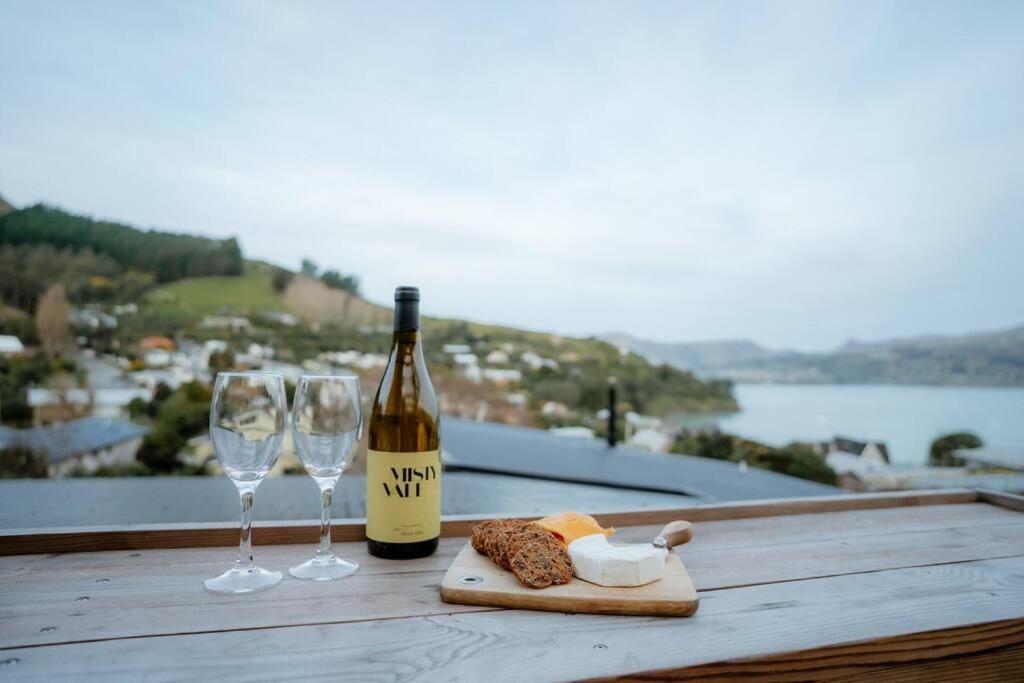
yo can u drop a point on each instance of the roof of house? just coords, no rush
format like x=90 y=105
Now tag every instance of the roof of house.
x=846 y=445
x=157 y=343
x=489 y=447
x=63 y=440
x=28 y=503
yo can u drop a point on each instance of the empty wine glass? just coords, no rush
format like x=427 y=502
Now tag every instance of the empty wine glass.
x=247 y=423
x=326 y=426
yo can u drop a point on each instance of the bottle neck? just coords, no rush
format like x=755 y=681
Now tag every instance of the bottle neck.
x=407 y=318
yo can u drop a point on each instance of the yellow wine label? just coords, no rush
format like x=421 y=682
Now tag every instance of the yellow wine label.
x=403 y=496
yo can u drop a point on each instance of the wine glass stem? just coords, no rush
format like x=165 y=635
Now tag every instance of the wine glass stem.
x=325 y=551
x=245 y=559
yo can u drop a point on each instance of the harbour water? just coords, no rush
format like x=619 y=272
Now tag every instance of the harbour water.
x=907 y=418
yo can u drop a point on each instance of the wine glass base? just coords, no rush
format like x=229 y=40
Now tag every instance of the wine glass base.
x=243 y=581
x=324 y=569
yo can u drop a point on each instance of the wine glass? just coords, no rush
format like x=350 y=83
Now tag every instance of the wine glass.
x=247 y=423
x=326 y=426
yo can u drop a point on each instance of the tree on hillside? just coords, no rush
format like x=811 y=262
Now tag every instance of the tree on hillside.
x=52 y=320
x=337 y=280
x=168 y=256
x=941 y=453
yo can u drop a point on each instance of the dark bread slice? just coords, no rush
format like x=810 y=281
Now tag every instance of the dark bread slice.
x=480 y=535
x=495 y=536
x=527 y=535
x=540 y=565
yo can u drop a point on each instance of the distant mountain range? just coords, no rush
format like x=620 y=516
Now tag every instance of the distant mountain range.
x=982 y=359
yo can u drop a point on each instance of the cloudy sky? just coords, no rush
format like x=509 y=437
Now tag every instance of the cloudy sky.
x=795 y=173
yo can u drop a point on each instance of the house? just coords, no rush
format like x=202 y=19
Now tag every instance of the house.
x=554 y=409
x=465 y=358
x=125 y=309
x=173 y=377
x=872 y=451
x=10 y=345
x=151 y=343
x=456 y=348
x=653 y=440
x=87 y=443
x=854 y=472
x=157 y=358
x=502 y=376
x=229 y=322
x=497 y=358
x=536 y=362
x=49 y=405
x=93 y=319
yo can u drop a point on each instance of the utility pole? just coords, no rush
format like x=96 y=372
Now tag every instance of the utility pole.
x=611 y=411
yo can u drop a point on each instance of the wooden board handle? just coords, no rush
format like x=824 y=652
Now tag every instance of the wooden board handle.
x=675 y=533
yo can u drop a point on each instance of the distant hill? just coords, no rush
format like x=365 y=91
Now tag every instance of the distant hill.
x=981 y=359
x=5 y=208
x=701 y=357
x=168 y=256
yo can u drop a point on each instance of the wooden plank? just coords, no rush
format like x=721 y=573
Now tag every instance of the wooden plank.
x=160 y=590
x=734 y=624
x=730 y=567
x=1006 y=500
x=993 y=651
x=41 y=574
x=672 y=596
x=142 y=537
x=760 y=531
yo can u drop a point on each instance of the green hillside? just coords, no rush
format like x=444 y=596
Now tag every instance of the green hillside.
x=242 y=294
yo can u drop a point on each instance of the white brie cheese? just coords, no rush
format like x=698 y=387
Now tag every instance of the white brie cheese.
x=596 y=560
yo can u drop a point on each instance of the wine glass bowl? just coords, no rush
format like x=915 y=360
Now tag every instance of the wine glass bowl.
x=326 y=426
x=247 y=425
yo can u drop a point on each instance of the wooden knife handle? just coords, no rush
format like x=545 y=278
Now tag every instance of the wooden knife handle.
x=676 y=533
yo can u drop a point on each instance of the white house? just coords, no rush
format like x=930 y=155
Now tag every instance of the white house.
x=456 y=348
x=554 y=409
x=10 y=345
x=502 y=375
x=871 y=451
x=157 y=358
x=110 y=402
x=231 y=322
x=536 y=361
x=497 y=358
x=650 y=440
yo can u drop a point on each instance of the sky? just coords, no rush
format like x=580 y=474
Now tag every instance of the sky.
x=796 y=173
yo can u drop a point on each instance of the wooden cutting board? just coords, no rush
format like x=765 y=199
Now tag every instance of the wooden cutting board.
x=474 y=580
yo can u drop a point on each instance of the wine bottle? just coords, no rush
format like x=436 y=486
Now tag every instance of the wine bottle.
x=403 y=469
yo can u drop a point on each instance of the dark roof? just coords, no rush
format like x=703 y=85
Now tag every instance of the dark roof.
x=63 y=440
x=91 y=501
x=846 y=445
x=489 y=447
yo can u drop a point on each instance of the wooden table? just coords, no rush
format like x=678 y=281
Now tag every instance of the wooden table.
x=891 y=586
